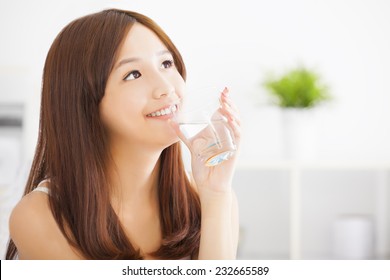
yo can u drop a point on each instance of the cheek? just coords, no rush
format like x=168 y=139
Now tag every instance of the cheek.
x=120 y=116
x=179 y=85
x=104 y=111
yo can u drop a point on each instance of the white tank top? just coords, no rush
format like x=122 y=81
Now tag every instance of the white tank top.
x=42 y=188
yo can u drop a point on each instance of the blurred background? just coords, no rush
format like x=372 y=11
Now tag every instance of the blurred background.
x=311 y=183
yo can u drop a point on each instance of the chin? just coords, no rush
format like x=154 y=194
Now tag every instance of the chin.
x=168 y=141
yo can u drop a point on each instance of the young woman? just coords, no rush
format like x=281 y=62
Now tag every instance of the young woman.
x=107 y=180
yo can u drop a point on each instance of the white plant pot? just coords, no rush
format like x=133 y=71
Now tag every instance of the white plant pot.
x=299 y=132
x=353 y=238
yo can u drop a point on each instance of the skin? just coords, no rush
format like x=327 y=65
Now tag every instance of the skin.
x=144 y=80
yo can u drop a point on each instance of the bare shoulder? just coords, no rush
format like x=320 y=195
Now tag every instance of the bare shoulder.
x=35 y=231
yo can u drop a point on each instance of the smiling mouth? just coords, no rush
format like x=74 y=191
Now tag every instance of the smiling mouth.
x=166 y=111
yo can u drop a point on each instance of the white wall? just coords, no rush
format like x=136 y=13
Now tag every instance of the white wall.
x=236 y=43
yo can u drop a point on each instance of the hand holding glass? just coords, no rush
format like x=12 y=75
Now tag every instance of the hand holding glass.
x=205 y=129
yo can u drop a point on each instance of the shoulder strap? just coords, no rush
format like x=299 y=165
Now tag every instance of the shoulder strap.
x=42 y=188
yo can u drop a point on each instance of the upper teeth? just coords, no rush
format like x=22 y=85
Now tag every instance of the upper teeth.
x=163 y=112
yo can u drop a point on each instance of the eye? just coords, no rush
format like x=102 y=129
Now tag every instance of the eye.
x=167 y=64
x=132 y=75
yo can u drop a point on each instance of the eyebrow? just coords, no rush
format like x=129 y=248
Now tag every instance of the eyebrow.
x=132 y=59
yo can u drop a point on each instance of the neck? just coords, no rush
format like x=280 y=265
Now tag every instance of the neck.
x=133 y=174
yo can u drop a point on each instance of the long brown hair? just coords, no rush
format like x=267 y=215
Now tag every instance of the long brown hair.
x=72 y=147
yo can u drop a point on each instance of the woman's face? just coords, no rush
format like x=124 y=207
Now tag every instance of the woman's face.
x=142 y=90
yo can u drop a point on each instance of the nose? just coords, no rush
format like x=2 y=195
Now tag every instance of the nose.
x=163 y=92
x=162 y=88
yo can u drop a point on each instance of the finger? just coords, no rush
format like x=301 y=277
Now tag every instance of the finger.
x=232 y=123
x=236 y=129
x=225 y=99
x=230 y=114
x=229 y=103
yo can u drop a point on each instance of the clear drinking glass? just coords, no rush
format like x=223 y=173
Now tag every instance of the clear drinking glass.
x=205 y=128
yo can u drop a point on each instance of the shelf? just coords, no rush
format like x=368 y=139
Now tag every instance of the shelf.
x=296 y=169
x=315 y=165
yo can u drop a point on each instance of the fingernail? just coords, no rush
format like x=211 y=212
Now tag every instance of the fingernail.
x=225 y=91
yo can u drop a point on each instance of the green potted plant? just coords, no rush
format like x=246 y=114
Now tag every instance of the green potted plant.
x=298 y=88
x=298 y=92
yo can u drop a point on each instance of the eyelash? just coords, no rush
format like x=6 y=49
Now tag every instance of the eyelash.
x=136 y=72
x=171 y=63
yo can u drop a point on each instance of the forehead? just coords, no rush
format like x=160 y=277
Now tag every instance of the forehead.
x=140 y=41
